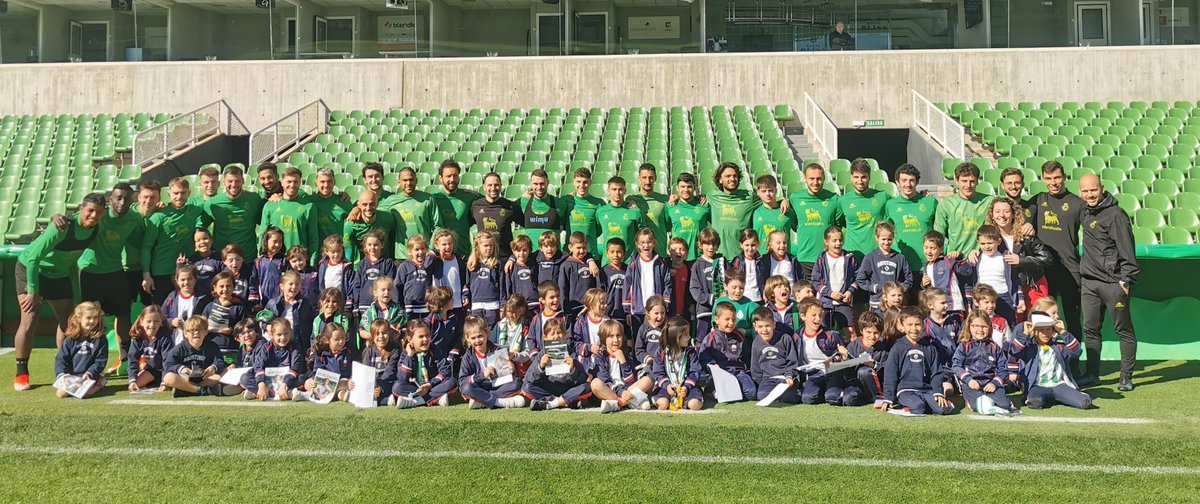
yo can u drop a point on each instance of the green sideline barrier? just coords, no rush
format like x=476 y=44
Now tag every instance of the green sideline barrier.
x=1166 y=304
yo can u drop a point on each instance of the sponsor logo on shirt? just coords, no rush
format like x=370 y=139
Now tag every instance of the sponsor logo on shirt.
x=812 y=216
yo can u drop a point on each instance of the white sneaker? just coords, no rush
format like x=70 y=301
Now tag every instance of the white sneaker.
x=248 y=395
x=473 y=404
x=517 y=401
x=609 y=406
x=391 y=400
x=644 y=405
x=299 y=395
x=409 y=402
x=444 y=400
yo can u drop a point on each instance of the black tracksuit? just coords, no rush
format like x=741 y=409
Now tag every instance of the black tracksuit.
x=1108 y=262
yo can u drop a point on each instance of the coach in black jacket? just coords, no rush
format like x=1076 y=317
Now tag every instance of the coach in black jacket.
x=1108 y=269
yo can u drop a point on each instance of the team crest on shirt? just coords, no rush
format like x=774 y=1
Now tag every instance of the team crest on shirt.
x=85 y=347
x=485 y=273
x=708 y=271
x=503 y=212
x=524 y=275
x=653 y=336
x=770 y=353
x=584 y=272
x=1092 y=225
x=733 y=347
x=941 y=270
x=991 y=358
x=1066 y=206
x=420 y=275
x=887 y=267
x=921 y=207
x=915 y=356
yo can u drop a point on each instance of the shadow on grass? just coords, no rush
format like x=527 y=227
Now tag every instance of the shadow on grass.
x=1179 y=371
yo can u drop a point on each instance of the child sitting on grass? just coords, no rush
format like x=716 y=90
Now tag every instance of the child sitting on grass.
x=549 y=391
x=194 y=366
x=773 y=358
x=420 y=380
x=151 y=341
x=980 y=365
x=84 y=350
x=1043 y=350
x=915 y=376
x=477 y=379
x=676 y=369
x=615 y=375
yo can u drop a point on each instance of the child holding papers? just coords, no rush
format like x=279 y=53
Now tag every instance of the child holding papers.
x=84 y=352
x=676 y=368
x=722 y=347
x=816 y=344
x=420 y=378
x=544 y=384
x=865 y=387
x=773 y=360
x=486 y=376
x=330 y=353
x=614 y=372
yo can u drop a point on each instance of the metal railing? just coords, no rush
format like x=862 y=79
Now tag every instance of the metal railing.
x=821 y=127
x=269 y=142
x=186 y=130
x=945 y=131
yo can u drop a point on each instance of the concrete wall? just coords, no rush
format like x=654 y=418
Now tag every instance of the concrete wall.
x=850 y=86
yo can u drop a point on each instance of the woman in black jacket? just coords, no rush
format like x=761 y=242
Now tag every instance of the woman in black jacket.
x=1005 y=215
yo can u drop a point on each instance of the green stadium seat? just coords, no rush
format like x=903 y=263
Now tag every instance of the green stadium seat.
x=1143 y=236
x=1184 y=218
x=1135 y=188
x=1127 y=202
x=1158 y=202
x=1172 y=235
x=1150 y=218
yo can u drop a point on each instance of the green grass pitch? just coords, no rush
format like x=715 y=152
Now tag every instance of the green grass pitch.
x=105 y=449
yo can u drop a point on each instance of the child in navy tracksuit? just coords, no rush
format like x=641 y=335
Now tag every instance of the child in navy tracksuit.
x=372 y=266
x=575 y=277
x=942 y=272
x=1041 y=354
x=614 y=374
x=480 y=382
x=676 y=369
x=298 y=311
x=707 y=278
x=980 y=365
x=585 y=337
x=205 y=260
x=224 y=312
x=249 y=337
x=485 y=279
x=612 y=280
x=723 y=346
x=990 y=268
x=414 y=278
x=648 y=341
x=548 y=260
x=195 y=365
x=335 y=272
x=383 y=308
x=330 y=352
x=381 y=354
x=941 y=327
x=778 y=261
x=866 y=387
x=833 y=277
x=521 y=276
x=183 y=302
x=84 y=350
x=773 y=360
x=268 y=268
x=280 y=351
x=420 y=379
x=450 y=270
x=815 y=344
x=310 y=288
x=548 y=391
x=914 y=376
x=647 y=275
x=445 y=327
x=151 y=341
x=550 y=309
x=747 y=262
x=883 y=265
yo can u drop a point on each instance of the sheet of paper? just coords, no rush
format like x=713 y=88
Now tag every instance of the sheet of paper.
x=725 y=385
x=775 y=393
x=275 y=383
x=503 y=380
x=363 y=393
x=502 y=362
x=835 y=366
x=904 y=412
x=233 y=376
x=558 y=370
x=73 y=384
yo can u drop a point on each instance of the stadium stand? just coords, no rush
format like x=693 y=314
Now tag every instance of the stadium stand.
x=51 y=162
x=1144 y=153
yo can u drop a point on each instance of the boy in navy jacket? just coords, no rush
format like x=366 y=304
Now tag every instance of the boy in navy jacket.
x=866 y=387
x=815 y=343
x=1045 y=339
x=612 y=279
x=195 y=365
x=549 y=309
x=722 y=346
x=773 y=359
x=414 y=279
x=521 y=275
x=883 y=265
x=707 y=279
x=915 y=377
x=942 y=272
x=575 y=277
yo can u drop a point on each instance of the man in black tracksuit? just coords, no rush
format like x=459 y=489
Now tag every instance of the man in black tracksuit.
x=1056 y=215
x=1108 y=270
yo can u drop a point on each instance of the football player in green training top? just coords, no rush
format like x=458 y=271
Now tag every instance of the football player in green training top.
x=730 y=208
x=912 y=214
x=169 y=235
x=414 y=210
x=364 y=217
x=771 y=216
x=234 y=213
x=618 y=219
x=652 y=205
x=959 y=216
x=688 y=216
x=102 y=275
x=862 y=207
x=540 y=211
x=816 y=208
x=454 y=205
x=581 y=211
x=292 y=214
x=372 y=175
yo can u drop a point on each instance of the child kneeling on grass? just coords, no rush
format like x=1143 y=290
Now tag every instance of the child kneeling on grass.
x=420 y=380
x=1042 y=350
x=84 y=350
x=195 y=365
x=555 y=391
x=477 y=379
x=280 y=351
x=914 y=376
x=676 y=368
x=866 y=387
x=614 y=374
x=724 y=346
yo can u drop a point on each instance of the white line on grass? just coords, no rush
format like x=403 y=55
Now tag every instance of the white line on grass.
x=599 y=457
x=6 y=351
x=709 y=411
x=185 y=402
x=1078 y=420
